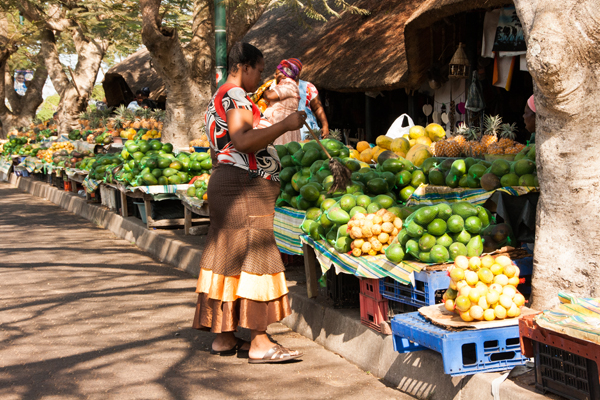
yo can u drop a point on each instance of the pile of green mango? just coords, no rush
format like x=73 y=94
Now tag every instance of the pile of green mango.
x=306 y=177
x=18 y=146
x=198 y=189
x=436 y=234
x=153 y=163
x=104 y=165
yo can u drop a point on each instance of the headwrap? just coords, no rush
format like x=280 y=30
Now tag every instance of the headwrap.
x=288 y=69
x=531 y=104
x=296 y=62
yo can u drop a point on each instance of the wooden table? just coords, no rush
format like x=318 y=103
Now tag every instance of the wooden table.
x=148 y=201
x=191 y=208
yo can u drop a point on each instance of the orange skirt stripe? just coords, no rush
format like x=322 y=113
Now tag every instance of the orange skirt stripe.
x=247 y=286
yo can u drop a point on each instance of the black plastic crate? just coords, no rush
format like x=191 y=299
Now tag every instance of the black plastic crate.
x=343 y=289
x=564 y=373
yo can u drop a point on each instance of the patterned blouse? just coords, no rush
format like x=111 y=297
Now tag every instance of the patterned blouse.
x=265 y=162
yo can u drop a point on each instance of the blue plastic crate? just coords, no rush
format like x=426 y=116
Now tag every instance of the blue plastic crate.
x=427 y=283
x=464 y=353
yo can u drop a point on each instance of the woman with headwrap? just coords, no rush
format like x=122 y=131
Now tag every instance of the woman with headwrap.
x=529 y=118
x=283 y=99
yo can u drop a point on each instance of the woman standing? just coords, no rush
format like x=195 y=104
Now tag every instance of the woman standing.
x=529 y=118
x=241 y=279
x=283 y=99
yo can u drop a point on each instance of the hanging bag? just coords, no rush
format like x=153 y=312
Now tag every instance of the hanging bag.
x=397 y=130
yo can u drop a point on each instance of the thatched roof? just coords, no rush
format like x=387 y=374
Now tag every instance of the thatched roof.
x=418 y=35
x=135 y=72
x=353 y=53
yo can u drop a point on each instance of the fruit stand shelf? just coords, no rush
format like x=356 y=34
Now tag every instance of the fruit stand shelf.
x=194 y=207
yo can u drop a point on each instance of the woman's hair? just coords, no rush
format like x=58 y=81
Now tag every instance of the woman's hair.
x=243 y=53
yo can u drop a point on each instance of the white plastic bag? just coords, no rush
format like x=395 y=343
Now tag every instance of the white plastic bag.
x=397 y=130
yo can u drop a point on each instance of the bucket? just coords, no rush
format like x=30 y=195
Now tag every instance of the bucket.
x=142 y=210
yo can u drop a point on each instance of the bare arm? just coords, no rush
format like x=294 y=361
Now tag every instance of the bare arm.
x=319 y=111
x=271 y=95
x=249 y=140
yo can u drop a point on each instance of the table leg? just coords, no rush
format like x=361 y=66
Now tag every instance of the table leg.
x=73 y=186
x=188 y=221
x=148 y=207
x=312 y=270
x=124 y=210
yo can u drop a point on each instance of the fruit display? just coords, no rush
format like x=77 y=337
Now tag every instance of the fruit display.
x=338 y=222
x=103 y=165
x=484 y=288
x=69 y=158
x=18 y=146
x=199 y=188
x=47 y=154
x=496 y=138
x=414 y=146
x=202 y=141
x=153 y=163
x=436 y=234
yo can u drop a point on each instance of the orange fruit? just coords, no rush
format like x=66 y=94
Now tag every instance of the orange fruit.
x=365 y=156
x=362 y=146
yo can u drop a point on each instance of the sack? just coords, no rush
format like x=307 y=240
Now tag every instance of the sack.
x=397 y=130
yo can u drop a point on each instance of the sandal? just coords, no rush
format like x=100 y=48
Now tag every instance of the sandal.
x=276 y=354
x=235 y=349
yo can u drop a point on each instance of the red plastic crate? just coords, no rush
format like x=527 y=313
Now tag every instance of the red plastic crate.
x=564 y=365
x=373 y=312
x=370 y=287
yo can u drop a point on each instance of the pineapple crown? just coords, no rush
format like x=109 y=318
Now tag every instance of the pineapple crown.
x=492 y=124
x=461 y=129
x=509 y=131
x=335 y=134
x=472 y=134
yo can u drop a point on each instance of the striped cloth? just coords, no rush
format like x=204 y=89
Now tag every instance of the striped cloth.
x=32 y=164
x=577 y=317
x=286 y=226
x=159 y=189
x=90 y=185
x=431 y=195
x=5 y=165
x=373 y=267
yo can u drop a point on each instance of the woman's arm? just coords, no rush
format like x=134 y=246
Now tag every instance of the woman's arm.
x=319 y=111
x=249 y=140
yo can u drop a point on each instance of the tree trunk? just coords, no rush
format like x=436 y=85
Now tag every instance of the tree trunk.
x=563 y=57
x=23 y=108
x=186 y=98
x=74 y=96
x=188 y=70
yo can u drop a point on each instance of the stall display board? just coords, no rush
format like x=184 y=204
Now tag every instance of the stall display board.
x=428 y=195
x=286 y=226
x=372 y=267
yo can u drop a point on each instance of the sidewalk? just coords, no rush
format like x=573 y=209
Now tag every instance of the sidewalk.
x=84 y=314
x=418 y=374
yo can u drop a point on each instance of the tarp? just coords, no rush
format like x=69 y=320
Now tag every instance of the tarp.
x=577 y=317
x=373 y=267
x=286 y=226
x=430 y=195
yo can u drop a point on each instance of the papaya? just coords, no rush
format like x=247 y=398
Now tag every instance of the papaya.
x=384 y=142
x=418 y=154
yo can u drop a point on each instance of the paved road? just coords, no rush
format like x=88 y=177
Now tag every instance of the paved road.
x=86 y=315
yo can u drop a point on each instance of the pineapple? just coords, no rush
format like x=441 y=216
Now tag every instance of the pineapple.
x=438 y=149
x=492 y=125
x=84 y=119
x=459 y=136
x=145 y=114
x=453 y=148
x=336 y=134
x=508 y=134
x=94 y=123
x=471 y=134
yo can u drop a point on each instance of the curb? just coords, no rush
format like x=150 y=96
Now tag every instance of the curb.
x=419 y=374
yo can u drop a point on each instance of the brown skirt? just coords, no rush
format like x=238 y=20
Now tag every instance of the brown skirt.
x=225 y=316
x=240 y=237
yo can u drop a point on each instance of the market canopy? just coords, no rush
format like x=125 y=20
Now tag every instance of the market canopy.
x=353 y=53
x=135 y=72
x=419 y=37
